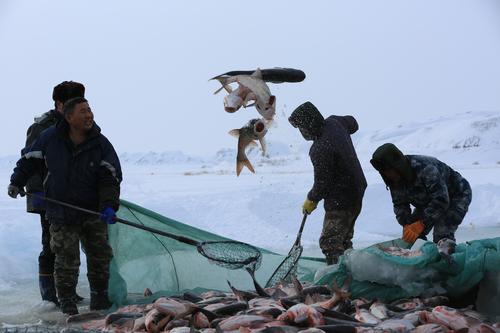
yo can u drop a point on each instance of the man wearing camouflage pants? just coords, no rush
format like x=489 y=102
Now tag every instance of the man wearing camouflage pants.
x=83 y=170
x=61 y=93
x=440 y=195
x=338 y=177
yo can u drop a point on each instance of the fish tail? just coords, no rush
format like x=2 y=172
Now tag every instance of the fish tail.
x=241 y=163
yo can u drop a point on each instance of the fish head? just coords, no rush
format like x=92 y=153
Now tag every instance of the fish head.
x=266 y=107
x=233 y=102
x=259 y=128
x=237 y=98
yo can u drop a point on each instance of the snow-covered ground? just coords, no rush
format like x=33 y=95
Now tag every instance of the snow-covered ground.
x=263 y=209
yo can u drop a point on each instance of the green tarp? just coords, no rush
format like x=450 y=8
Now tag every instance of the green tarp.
x=376 y=274
x=146 y=260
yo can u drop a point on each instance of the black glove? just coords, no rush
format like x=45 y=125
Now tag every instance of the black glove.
x=13 y=191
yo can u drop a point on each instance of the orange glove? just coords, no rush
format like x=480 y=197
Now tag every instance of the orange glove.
x=412 y=231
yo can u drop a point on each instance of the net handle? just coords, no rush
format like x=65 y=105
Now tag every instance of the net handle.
x=299 y=235
x=296 y=247
x=117 y=219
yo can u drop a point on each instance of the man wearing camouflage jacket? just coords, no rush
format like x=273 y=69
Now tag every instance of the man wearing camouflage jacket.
x=440 y=195
x=338 y=177
x=61 y=93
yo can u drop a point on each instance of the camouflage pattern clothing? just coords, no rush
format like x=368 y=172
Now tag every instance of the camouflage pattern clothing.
x=65 y=243
x=439 y=194
x=338 y=230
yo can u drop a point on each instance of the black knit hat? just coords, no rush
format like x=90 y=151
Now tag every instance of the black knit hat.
x=307 y=116
x=388 y=156
x=67 y=90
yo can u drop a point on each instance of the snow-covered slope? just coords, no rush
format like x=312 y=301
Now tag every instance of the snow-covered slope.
x=462 y=139
x=467 y=137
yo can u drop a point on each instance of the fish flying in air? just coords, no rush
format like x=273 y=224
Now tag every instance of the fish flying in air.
x=255 y=129
x=251 y=88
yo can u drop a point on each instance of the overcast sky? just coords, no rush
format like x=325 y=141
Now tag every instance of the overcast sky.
x=146 y=64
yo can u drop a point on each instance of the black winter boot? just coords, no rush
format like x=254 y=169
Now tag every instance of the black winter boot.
x=68 y=306
x=48 y=288
x=99 y=300
x=77 y=298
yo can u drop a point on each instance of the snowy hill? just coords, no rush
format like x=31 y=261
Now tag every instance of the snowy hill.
x=462 y=139
x=471 y=136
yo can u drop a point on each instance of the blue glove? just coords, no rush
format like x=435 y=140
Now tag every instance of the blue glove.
x=108 y=215
x=38 y=200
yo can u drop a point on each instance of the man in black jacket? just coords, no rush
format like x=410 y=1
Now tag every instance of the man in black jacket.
x=61 y=93
x=338 y=177
x=83 y=170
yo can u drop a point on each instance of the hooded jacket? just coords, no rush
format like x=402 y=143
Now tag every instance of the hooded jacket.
x=338 y=177
x=427 y=184
x=87 y=175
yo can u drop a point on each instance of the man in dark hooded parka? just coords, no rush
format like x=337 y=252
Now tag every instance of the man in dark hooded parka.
x=338 y=177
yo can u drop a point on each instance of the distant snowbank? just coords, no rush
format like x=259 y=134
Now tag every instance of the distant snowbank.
x=462 y=139
x=462 y=134
x=471 y=138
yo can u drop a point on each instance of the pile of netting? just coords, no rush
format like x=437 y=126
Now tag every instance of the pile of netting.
x=144 y=259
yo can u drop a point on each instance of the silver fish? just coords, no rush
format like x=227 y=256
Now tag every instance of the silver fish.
x=365 y=316
x=400 y=252
x=183 y=330
x=85 y=317
x=235 y=322
x=379 y=310
x=483 y=328
x=452 y=318
x=174 y=308
x=430 y=328
x=339 y=295
x=139 y=324
x=255 y=129
x=250 y=88
x=199 y=320
x=155 y=321
x=303 y=315
x=396 y=326
x=176 y=323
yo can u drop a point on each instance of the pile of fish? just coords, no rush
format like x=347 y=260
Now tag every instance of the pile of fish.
x=287 y=309
x=252 y=90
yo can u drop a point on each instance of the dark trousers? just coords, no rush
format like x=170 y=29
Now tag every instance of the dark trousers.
x=47 y=257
